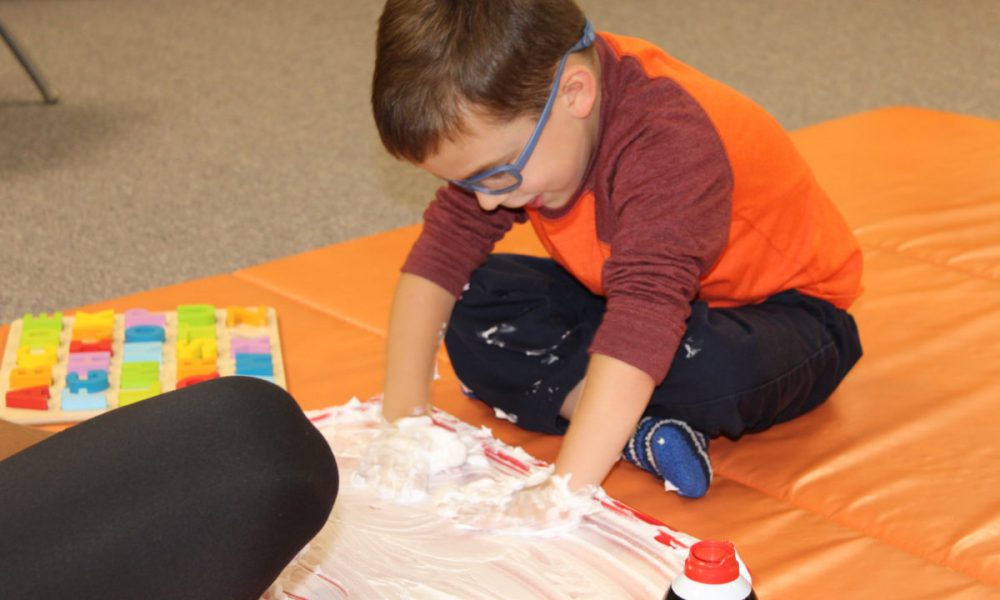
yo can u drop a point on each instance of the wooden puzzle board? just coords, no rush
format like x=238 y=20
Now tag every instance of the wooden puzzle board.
x=235 y=329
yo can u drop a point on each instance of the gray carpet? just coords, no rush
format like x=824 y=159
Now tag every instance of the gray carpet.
x=195 y=137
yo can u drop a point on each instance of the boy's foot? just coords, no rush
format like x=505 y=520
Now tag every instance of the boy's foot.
x=467 y=391
x=674 y=452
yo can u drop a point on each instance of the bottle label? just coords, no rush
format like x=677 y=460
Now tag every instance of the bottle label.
x=685 y=589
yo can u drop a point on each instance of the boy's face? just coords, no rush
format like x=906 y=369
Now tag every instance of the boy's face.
x=553 y=173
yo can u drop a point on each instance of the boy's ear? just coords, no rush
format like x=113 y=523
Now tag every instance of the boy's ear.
x=579 y=89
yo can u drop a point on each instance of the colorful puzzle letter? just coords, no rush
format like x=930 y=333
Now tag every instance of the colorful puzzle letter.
x=197 y=348
x=145 y=333
x=77 y=401
x=257 y=365
x=238 y=315
x=92 y=327
x=189 y=367
x=96 y=381
x=35 y=398
x=196 y=314
x=45 y=356
x=90 y=362
x=26 y=377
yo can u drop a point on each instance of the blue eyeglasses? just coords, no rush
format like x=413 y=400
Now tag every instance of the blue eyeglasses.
x=507 y=178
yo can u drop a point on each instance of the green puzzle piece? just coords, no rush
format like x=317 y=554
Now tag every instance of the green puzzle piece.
x=39 y=338
x=196 y=314
x=42 y=322
x=139 y=375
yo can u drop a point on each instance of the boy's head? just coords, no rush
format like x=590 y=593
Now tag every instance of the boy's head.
x=458 y=72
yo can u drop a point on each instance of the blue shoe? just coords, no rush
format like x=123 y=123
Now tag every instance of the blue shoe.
x=673 y=451
x=467 y=391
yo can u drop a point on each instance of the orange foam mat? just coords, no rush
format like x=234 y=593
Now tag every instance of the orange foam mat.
x=898 y=466
x=889 y=490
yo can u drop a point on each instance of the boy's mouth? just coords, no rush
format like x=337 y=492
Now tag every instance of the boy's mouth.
x=535 y=202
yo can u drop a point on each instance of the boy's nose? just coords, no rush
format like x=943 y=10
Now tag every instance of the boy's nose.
x=489 y=202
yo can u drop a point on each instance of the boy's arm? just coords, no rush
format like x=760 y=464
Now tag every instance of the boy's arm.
x=615 y=394
x=396 y=462
x=420 y=309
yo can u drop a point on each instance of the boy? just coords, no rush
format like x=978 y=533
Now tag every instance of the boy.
x=699 y=277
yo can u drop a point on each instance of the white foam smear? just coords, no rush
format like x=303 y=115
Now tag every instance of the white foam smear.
x=399 y=460
x=422 y=549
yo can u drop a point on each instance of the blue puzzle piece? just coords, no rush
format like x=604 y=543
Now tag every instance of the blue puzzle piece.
x=254 y=364
x=144 y=333
x=72 y=401
x=96 y=381
x=143 y=352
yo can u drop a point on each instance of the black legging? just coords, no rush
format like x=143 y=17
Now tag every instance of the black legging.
x=205 y=492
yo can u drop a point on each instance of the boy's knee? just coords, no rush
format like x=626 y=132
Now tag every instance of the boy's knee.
x=523 y=276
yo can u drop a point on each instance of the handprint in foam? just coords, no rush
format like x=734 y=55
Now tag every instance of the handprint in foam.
x=400 y=460
x=539 y=505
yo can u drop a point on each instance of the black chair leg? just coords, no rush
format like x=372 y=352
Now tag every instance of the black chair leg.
x=47 y=92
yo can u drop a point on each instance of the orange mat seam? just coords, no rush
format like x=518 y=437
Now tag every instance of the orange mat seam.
x=308 y=303
x=888 y=248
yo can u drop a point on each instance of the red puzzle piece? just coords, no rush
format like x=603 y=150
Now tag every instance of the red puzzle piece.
x=196 y=379
x=91 y=346
x=35 y=398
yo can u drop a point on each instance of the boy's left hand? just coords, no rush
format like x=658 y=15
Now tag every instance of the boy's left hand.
x=549 y=506
x=543 y=509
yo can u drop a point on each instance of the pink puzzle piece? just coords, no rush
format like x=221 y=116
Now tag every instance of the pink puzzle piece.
x=257 y=345
x=82 y=363
x=139 y=316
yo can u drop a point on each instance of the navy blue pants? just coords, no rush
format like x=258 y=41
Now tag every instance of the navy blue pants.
x=518 y=338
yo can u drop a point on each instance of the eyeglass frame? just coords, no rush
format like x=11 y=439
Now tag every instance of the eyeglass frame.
x=471 y=184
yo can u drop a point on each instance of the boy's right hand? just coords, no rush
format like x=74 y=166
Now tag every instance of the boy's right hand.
x=399 y=462
x=420 y=311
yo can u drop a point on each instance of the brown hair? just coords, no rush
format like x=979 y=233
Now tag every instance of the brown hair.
x=438 y=59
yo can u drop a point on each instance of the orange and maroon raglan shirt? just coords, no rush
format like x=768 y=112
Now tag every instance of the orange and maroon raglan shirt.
x=693 y=192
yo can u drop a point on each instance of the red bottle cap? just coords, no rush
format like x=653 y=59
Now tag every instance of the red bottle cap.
x=712 y=562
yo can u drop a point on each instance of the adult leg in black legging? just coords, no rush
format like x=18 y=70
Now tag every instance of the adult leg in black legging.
x=205 y=492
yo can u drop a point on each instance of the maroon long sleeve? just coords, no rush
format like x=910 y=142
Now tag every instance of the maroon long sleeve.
x=693 y=192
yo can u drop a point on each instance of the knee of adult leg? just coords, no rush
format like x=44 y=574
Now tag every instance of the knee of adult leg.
x=254 y=407
x=278 y=450
x=227 y=396
x=246 y=392
x=298 y=448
